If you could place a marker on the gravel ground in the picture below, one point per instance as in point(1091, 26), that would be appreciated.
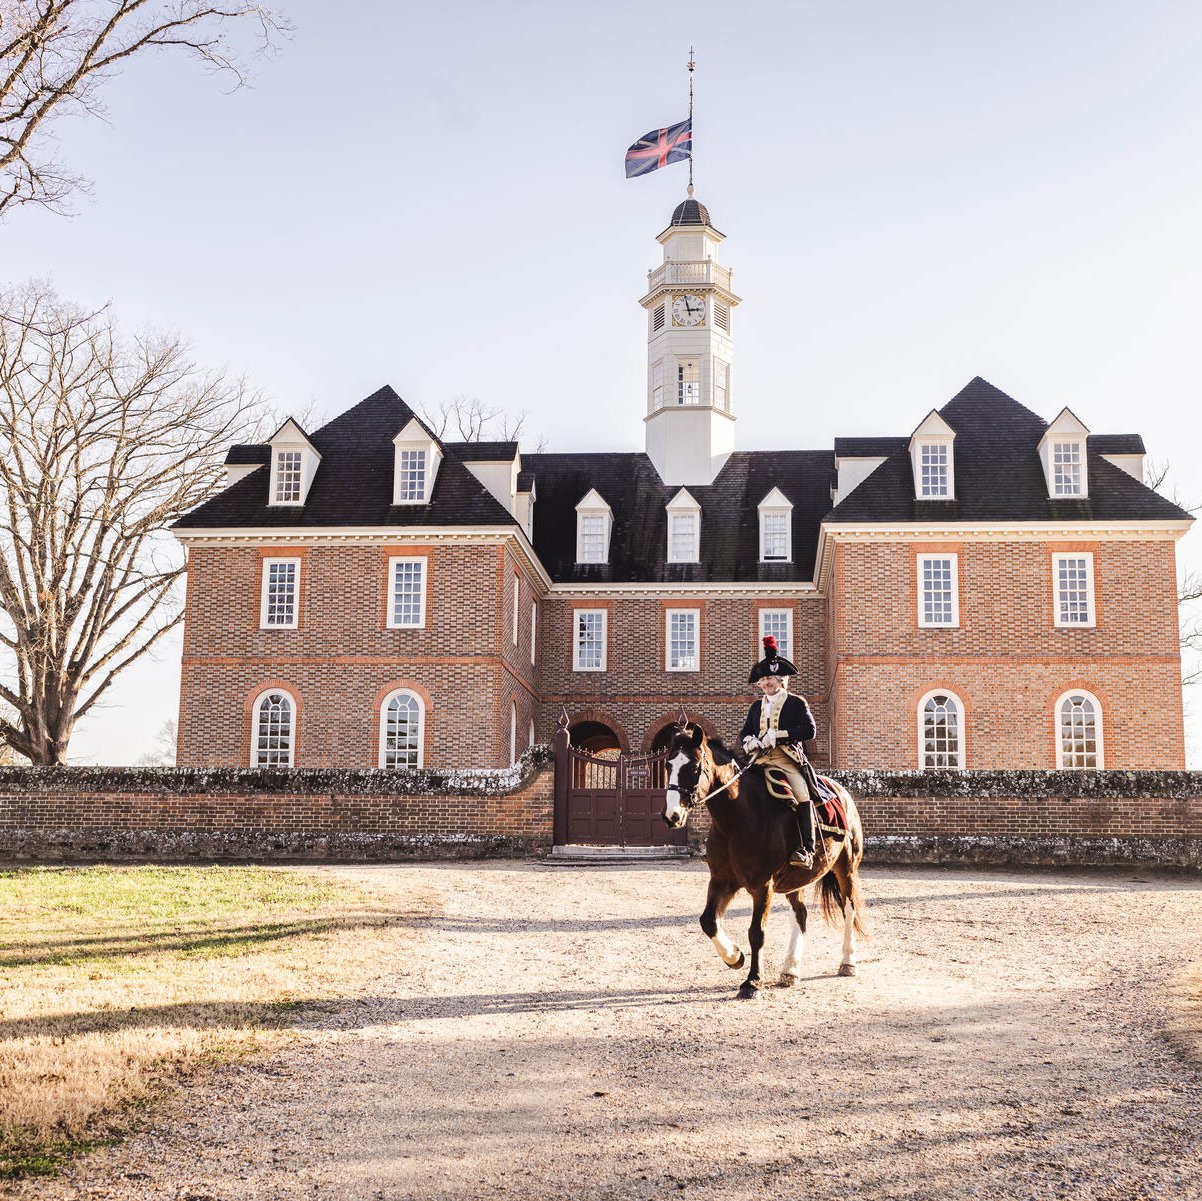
point(568, 1032)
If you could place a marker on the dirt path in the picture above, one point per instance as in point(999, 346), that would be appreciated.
point(568, 1032)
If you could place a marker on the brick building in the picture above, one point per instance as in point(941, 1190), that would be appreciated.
point(990, 590)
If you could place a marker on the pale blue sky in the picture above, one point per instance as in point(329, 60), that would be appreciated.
point(433, 197)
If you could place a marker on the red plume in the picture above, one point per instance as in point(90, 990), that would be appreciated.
point(769, 643)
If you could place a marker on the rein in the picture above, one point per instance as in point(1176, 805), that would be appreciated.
point(692, 804)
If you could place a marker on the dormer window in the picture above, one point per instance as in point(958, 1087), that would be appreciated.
point(684, 528)
point(932, 459)
point(288, 477)
point(1067, 474)
point(594, 523)
point(776, 528)
point(415, 465)
point(1062, 455)
point(411, 476)
point(294, 462)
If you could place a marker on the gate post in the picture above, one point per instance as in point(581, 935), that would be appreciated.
point(563, 775)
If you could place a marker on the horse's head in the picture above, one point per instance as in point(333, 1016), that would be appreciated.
point(690, 772)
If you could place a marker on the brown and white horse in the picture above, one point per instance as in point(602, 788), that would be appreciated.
point(749, 847)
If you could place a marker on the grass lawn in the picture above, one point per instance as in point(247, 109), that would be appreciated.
point(114, 979)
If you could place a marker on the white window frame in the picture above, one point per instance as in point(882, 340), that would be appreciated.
point(786, 651)
point(531, 734)
point(693, 554)
point(961, 748)
point(402, 496)
point(686, 385)
point(576, 664)
point(946, 448)
point(421, 730)
point(920, 563)
point(657, 385)
point(591, 506)
point(696, 616)
point(1057, 610)
point(533, 632)
point(1100, 752)
point(1061, 446)
point(277, 475)
point(787, 515)
point(513, 732)
point(393, 563)
point(722, 385)
point(517, 600)
point(278, 561)
point(255, 719)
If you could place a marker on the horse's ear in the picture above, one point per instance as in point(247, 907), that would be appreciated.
point(698, 735)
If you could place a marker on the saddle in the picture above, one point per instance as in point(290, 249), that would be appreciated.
point(832, 816)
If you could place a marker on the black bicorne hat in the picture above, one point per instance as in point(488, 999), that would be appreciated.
point(772, 664)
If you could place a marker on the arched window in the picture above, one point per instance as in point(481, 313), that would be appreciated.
point(940, 731)
point(513, 731)
point(273, 736)
point(530, 740)
point(1079, 731)
point(401, 720)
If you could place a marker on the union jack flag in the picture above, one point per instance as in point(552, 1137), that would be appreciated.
point(660, 147)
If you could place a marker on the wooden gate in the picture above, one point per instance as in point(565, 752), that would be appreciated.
point(611, 799)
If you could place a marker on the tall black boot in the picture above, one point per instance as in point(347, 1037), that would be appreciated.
point(803, 856)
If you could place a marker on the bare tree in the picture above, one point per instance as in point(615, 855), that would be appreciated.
point(1158, 476)
point(474, 421)
point(56, 54)
point(162, 751)
point(103, 443)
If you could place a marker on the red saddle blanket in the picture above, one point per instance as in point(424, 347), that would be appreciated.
point(831, 811)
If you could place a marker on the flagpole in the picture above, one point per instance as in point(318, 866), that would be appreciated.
point(692, 66)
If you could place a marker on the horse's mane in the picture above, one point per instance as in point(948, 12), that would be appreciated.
point(722, 755)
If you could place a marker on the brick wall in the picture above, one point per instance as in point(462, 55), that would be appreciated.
point(1007, 661)
point(342, 660)
point(636, 696)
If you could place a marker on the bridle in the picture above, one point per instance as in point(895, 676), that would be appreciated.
point(708, 771)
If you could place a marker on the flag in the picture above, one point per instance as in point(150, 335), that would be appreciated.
point(660, 147)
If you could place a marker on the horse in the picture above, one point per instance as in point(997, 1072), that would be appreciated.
point(749, 847)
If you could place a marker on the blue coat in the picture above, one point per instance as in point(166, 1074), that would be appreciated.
point(796, 721)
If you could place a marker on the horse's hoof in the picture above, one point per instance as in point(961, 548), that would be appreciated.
point(787, 980)
point(738, 963)
point(749, 992)
point(848, 969)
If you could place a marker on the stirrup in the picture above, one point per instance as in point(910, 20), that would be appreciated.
point(801, 858)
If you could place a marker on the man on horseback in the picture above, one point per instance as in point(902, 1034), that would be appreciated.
point(776, 727)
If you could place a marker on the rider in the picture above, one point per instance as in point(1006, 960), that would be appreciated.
point(776, 726)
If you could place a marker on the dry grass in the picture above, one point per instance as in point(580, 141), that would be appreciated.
point(114, 978)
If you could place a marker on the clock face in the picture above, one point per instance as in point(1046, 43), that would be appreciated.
point(688, 310)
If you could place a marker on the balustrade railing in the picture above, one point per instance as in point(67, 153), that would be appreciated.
point(682, 273)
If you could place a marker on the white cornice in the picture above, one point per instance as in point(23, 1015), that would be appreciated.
point(1026, 530)
point(361, 535)
point(796, 588)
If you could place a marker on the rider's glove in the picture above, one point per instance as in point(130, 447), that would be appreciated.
point(751, 743)
point(768, 739)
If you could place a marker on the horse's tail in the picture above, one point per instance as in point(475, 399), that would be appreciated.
point(847, 863)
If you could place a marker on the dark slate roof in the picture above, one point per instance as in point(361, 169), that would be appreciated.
point(730, 540)
point(353, 484)
point(525, 479)
point(244, 454)
point(869, 448)
point(998, 475)
point(475, 452)
point(1115, 444)
point(690, 212)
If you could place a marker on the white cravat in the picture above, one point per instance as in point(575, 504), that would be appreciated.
point(768, 704)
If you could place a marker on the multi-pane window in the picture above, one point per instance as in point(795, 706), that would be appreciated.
point(934, 469)
point(1066, 469)
point(721, 385)
point(589, 640)
point(657, 385)
point(281, 578)
point(774, 536)
point(778, 623)
point(941, 735)
point(688, 382)
point(591, 538)
point(517, 590)
point(272, 739)
point(406, 592)
point(1079, 734)
point(513, 732)
point(681, 635)
point(287, 477)
point(401, 731)
point(938, 603)
point(411, 476)
point(533, 630)
point(1074, 589)
point(683, 541)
